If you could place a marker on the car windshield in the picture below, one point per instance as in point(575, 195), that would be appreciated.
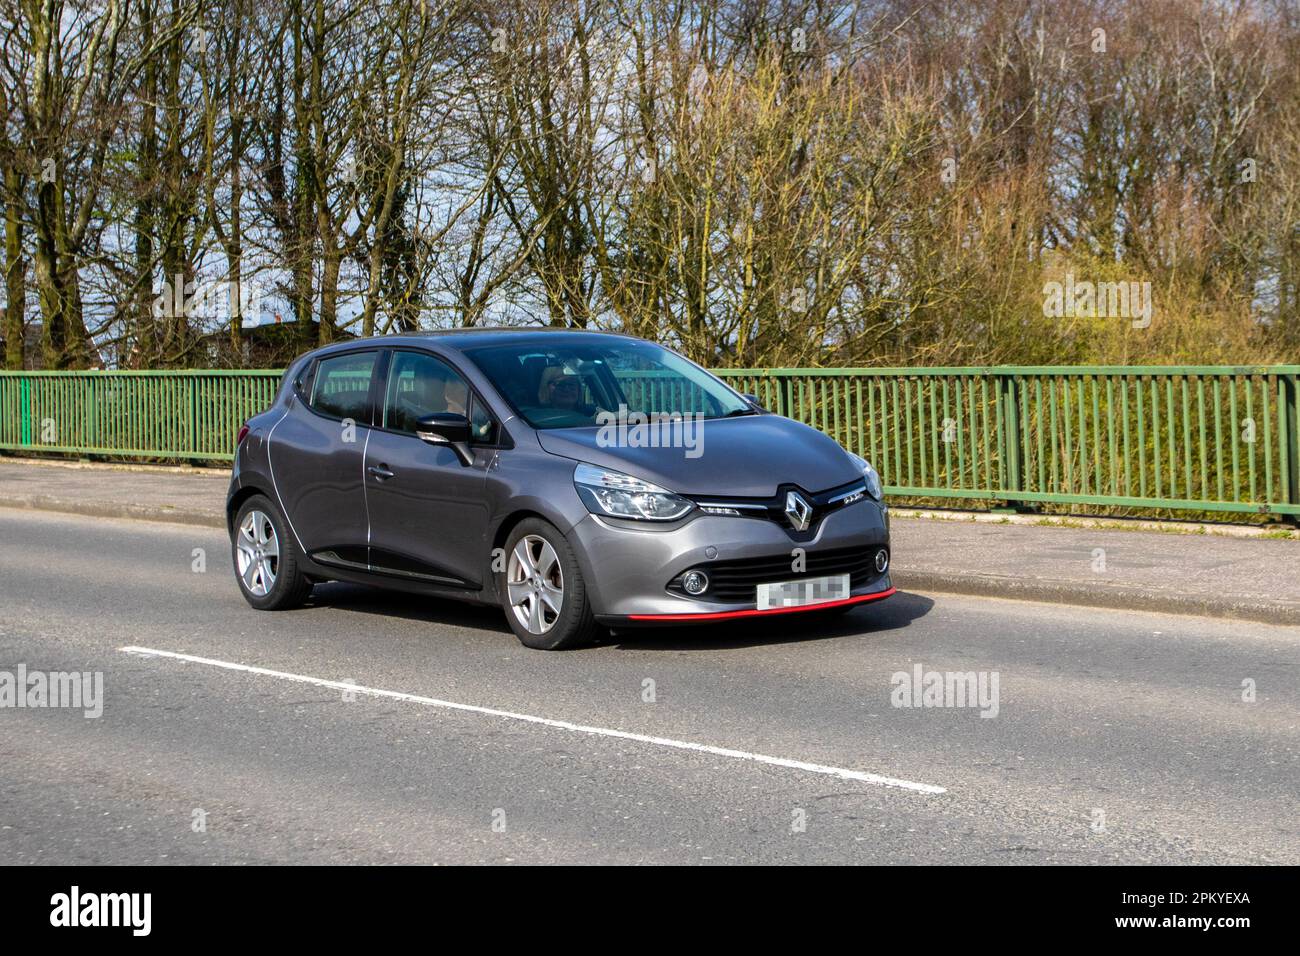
point(567, 385)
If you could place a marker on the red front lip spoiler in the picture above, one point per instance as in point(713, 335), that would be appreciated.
point(755, 612)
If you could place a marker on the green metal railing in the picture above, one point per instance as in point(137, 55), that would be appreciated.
point(1184, 438)
point(170, 415)
point(1199, 438)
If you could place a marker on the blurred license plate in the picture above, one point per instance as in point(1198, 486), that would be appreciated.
point(802, 592)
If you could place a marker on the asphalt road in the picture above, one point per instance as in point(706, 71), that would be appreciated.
point(1119, 737)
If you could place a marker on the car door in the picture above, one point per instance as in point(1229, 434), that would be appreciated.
point(316, 455)
point(428, 513)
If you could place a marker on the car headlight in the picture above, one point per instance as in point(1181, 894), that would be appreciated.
point(873, 479)
point(608, 492)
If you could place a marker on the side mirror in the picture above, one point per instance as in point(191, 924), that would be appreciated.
point(446, 428)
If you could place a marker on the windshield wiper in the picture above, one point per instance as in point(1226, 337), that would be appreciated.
point(741, 411)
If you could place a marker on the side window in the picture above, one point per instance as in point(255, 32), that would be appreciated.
point(419, 385)
point(483, 428)
point(341, 387)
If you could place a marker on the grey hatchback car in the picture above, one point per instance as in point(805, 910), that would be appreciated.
point(577, 479)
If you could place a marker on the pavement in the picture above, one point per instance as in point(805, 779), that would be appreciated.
point(1211, 574)
point(372, 727)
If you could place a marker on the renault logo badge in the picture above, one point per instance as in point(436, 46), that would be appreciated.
point(797, 510)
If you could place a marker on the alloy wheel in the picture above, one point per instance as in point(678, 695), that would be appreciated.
point(258, 553)
point(535, 584)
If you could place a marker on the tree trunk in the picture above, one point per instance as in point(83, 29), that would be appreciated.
point(15, 271)
point(329, 296)
point(141, 335)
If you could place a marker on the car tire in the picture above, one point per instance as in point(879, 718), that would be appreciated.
point(269, 581)
point(548, 551)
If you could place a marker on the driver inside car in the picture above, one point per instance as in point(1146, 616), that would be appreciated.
point(427, 394)
point(561, 388)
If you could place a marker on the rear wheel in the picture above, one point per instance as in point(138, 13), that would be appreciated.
point(266, 558)
point(542, 589)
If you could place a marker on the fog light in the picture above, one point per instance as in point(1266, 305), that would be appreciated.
point(695, 582)
point(882, 560)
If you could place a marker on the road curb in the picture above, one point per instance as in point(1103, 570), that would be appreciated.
point(1098, 523)
point(78, 464)
point(1113, 597)
point(96, 509)
point(1110, 596)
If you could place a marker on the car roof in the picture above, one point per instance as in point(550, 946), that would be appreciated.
point(462, 340)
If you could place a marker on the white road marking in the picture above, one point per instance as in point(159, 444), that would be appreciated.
point(840, 772)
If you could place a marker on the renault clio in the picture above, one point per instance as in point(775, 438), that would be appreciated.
point(577, 479)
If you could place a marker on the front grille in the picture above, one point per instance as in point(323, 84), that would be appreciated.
point(737, 581)
point(773, 509)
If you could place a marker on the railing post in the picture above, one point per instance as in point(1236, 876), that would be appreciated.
point(783, 389)
point(25, 410)
point(191, 382)
point(1289, 439)
point(92, 431)
point(1012, 447)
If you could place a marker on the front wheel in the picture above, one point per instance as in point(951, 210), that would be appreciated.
point(542, 589)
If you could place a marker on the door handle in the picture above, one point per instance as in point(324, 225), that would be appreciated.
point(380, 471)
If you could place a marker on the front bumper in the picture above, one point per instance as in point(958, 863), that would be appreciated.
point(628, 568)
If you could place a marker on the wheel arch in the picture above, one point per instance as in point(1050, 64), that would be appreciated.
point(512, 521)
point(237, 500)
